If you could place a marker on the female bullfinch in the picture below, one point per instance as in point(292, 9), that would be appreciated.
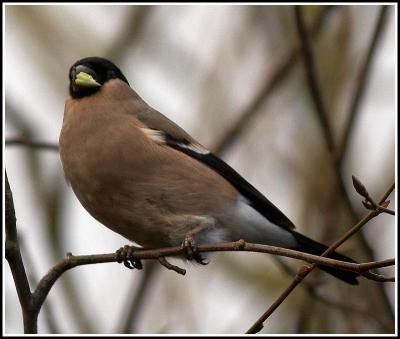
point(144, 177)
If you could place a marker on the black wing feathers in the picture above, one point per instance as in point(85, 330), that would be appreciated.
point(255, 198)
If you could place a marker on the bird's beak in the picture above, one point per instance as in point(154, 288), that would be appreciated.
point(83, 79)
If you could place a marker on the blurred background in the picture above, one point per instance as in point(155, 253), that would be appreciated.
point(233, 77)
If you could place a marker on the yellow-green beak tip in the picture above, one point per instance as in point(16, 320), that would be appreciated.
point(85, 80)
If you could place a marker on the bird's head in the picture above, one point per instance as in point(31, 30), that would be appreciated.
point(88, 75)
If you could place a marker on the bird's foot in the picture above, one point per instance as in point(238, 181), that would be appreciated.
point(191, 251)
point(124, 255)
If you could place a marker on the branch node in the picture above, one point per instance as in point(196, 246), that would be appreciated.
point(385, 204)
point(239, 245)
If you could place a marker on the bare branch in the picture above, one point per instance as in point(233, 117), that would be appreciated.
point(305, 270)
point(259, 324)
point(13, 256)
point(311, 288)
point(376, 264)
point(71, 261)
point(386, 210)
point(387, 193)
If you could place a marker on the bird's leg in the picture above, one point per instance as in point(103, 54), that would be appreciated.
point(189, 245)
point(124, 254)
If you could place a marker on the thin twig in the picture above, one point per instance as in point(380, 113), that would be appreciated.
point(259, 324)
point(386, 210)
point(169, 266)
point(376, 264)
point(387, 193)
point(305, 270)
point(311, 289)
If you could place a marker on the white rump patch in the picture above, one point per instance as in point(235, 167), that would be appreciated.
point(258, 229)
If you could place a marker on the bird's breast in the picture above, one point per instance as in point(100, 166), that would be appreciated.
point(143, 190)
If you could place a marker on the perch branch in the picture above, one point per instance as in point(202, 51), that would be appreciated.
point(71, 261)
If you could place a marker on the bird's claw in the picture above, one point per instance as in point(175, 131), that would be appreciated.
point(191, 251)
point(125, 256)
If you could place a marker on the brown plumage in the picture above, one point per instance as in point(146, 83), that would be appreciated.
point(144, 177)
point(111, 165)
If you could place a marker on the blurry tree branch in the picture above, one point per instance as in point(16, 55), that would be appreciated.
point(312, 80)
point(135, 300)
point(279, 73)
point(50, 201)
point(312, 289)
point(305, 270)
point(337, 153)
point(361, 83)
point(28, 142)
point(134, 24)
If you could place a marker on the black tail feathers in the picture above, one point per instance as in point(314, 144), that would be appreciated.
point(313, 247)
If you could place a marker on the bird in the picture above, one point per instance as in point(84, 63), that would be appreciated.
point(145, 178)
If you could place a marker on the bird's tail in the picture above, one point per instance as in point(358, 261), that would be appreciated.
point(313, 247)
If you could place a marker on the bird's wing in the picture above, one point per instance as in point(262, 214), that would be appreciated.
point(164, 131)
